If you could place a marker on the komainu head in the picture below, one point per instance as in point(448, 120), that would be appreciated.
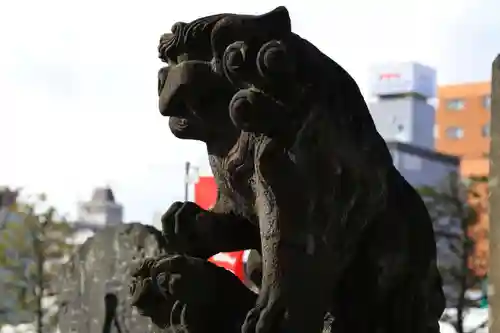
point(229, 73)
point(208, 61)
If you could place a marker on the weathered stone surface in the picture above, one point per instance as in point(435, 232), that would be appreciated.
point(95, 283)
point(302, 174)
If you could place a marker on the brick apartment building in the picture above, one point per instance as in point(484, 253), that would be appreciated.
point(463, 129)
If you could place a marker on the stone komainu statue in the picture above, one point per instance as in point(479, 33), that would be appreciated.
point(303, 176)
point(94, 284)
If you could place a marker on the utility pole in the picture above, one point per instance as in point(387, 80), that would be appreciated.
point(494, 203)
point(186, 181)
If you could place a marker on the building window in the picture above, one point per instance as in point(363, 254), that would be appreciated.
point(485, 130)
point(456, 104)
point(454, 132)
point(487, 102)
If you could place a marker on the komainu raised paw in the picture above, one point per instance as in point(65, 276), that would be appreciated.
point(269, 92)
point(249, 107)
point(181, 228)
point(261, 63)
point(182, 292)
point(147, 298)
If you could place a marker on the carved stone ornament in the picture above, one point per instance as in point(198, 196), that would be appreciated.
point(303, 176)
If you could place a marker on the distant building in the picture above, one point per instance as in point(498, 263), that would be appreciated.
point(405, 118)
point(402, 112)
point(463, 125)
point(100, 211)
point(463, 129)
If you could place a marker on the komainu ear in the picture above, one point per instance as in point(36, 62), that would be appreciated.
point(277, 22)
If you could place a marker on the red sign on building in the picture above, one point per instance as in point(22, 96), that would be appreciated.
point(389, 76)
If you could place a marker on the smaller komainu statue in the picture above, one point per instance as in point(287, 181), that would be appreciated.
point(303, 176)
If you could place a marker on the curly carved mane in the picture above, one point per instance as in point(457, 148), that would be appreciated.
point(188, 37)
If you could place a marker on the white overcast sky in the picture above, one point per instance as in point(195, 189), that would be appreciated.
point(78, 81)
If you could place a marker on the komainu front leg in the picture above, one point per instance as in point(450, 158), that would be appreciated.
point(296, 275)
point(295, 290)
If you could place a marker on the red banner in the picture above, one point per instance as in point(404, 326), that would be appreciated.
point(205, 192)
point(205, 195)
